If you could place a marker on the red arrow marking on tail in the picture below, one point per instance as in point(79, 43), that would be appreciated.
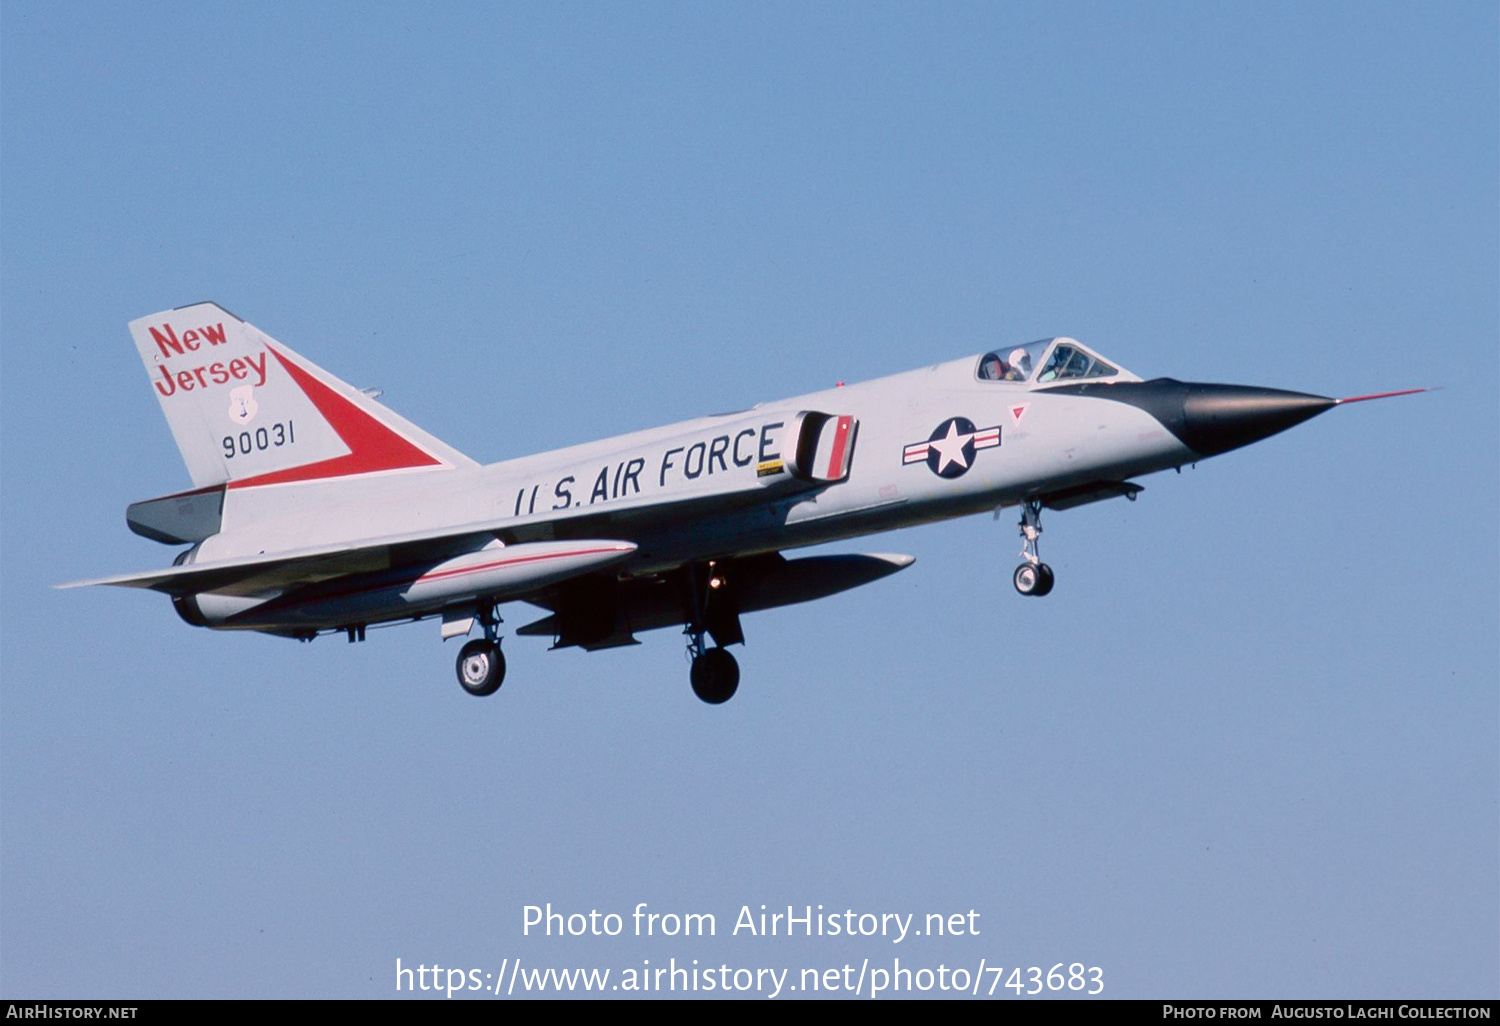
point(372, 445)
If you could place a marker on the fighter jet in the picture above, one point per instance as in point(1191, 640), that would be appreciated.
point(316, 510)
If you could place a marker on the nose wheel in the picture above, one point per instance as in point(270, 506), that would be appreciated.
point(1033, 580)
point(1032, 577)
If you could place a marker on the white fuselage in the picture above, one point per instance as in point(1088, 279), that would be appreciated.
point(1045, 443)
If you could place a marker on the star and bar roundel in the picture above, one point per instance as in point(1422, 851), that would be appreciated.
point(949, 450)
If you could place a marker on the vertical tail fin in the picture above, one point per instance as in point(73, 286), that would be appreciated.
point(246, 410)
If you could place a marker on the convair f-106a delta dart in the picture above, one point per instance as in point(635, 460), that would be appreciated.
point(314, 509)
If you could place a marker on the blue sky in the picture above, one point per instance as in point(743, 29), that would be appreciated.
point(1247, 748)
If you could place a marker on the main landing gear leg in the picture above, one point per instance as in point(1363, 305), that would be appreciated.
point(481, 664)
point(1032, 577)
point(715, 675)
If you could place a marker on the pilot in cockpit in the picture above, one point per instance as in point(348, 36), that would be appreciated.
point(992, 368)
point(1020, 366)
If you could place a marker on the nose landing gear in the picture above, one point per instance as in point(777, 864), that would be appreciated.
point(1032, 577)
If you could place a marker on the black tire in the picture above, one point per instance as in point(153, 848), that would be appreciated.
point(1028, 578)
point(481, 667)
point(1045, 581)
point(715, 676)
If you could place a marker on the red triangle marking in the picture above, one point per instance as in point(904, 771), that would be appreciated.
point(372, 445)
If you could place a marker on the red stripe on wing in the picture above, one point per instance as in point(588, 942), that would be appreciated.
point(516, 560)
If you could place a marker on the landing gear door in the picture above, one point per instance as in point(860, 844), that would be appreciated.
point(823, 448)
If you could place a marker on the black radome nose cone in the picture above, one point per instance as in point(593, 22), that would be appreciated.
point(1210, 419)
point(1217, 418)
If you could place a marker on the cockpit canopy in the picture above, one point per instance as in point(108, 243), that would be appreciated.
point(1051, 359)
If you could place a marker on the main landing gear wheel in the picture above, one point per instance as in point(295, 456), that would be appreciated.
point(481, 667)
point(1034, 579)
point(715, 676)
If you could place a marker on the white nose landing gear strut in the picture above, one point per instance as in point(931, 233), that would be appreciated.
point(1032, 577)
